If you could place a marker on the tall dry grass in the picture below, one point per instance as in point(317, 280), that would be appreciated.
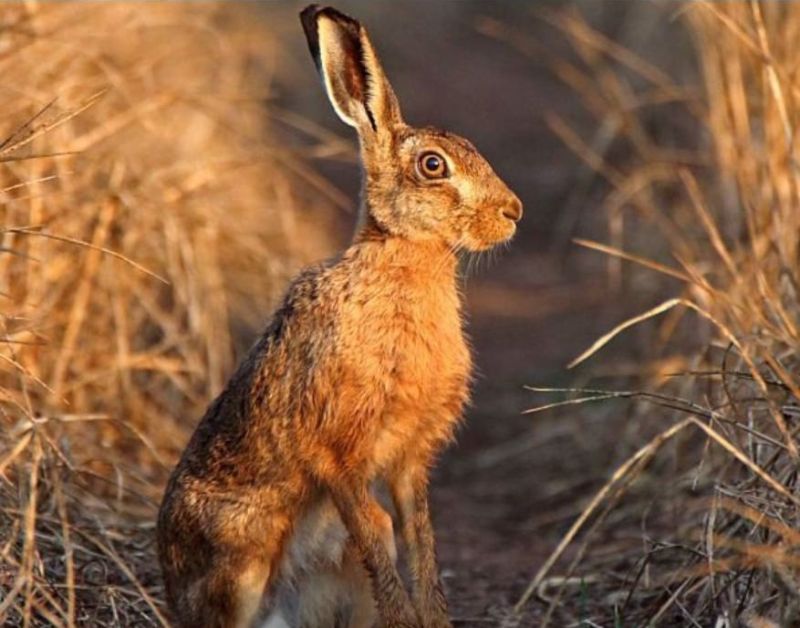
point(714, 531)
point(147, 219)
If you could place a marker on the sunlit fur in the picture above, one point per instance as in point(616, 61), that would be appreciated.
point(359, 379)
point(464, 209)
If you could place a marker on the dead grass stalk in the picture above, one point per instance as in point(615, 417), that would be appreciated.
point(726, 226)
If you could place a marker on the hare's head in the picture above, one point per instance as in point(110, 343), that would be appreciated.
point(419, 183)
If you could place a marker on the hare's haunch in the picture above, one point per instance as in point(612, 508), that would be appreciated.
point(360, 378)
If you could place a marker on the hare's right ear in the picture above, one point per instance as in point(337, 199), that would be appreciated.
point(357, 87)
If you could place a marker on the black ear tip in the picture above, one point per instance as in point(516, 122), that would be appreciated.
point(309, 14)
point(313, 12)
point(309, 18)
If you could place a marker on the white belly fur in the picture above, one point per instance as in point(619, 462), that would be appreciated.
point(302, 596)
point(320, 583)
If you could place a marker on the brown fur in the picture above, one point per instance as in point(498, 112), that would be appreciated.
point(360, 377)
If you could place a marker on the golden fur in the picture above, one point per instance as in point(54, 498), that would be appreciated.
point(360, 377)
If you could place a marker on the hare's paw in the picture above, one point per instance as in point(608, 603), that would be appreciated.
point(412, 622)
point(436, 620)
point(431, 607)
point(402, 618)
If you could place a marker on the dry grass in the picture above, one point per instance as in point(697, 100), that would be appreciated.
point(699, 526)
point(146, 222)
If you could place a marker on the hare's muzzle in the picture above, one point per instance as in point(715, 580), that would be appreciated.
point(513, 210)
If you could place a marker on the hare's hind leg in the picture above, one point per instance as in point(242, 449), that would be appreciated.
point(250, 587)
point(214, 585)
point(228, 597)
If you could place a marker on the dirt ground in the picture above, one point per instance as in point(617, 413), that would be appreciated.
point(509, 486)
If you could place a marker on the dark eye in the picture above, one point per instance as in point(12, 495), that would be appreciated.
point(432, 165)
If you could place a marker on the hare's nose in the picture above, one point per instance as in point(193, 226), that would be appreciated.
point(513, 210)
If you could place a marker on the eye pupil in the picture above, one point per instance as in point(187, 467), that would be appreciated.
point(432, 166)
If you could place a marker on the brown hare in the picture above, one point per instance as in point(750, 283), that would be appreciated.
point(359, 379)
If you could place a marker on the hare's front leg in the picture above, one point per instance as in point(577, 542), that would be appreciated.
point(365, 521)
point(410, 493)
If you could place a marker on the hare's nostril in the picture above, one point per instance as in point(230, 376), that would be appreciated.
point(513, 211)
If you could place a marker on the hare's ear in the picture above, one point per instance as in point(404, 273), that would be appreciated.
point(355, 82)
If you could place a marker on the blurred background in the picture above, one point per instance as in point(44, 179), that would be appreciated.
point(165, 169)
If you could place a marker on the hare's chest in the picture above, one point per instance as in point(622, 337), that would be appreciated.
point(430, 360)
point(430, 356)
point(411, 344)
point(429, 385)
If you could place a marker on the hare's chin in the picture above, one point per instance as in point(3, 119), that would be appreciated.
point(510, 229)
point(476, 245)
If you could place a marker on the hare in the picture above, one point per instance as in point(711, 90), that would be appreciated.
point(359, 379)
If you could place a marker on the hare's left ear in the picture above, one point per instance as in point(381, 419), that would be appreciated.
point(357, 87)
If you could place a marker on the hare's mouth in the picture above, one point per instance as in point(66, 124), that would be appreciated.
point(500, 233)
point(512, 230)
point(509, 229)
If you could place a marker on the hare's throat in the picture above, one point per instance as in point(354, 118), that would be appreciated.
point(368, 229)
point(419, 260)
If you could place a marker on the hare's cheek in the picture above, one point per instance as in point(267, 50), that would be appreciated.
point(423, 214)
point(475, 236)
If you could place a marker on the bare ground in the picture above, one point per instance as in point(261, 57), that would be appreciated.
point(506, 491)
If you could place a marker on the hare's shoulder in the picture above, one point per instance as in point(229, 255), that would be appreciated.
point(265, 384)
point(308, 303)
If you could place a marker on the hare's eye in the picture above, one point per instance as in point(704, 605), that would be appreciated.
point(432, 165)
